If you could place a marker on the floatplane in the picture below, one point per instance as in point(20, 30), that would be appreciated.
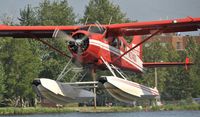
point(102, 47)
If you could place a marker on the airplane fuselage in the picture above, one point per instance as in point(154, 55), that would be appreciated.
point(109, 48)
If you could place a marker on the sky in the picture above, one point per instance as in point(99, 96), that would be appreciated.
point(141, 10)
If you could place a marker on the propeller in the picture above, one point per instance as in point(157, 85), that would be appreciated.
point(77, 43)
point(80, 44)
point(62, 35)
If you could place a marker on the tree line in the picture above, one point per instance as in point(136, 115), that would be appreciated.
point(22, 60)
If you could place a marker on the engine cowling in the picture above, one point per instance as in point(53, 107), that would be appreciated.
point(80, 43)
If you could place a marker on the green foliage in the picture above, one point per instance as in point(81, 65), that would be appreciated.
point(2, 85)
point(6, 19)
point(21, 67)
point(33, 110)
point(177, 85)
point(174, 83)
point(155, 52)
point(55, 13)
point(193, 50)
point(49, 13)
point(28, 16)
point(103, 11)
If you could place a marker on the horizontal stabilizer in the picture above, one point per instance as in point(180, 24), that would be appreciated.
point(166, 64)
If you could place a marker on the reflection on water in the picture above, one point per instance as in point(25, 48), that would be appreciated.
point(127, 114)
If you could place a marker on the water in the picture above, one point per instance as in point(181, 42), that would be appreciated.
point(126, 114)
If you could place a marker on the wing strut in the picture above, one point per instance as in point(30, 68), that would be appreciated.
point(108, 66)
point(50, 46)
point(153, 34)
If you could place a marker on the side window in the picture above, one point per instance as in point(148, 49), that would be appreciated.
point(120, 44)
point(123, 46)
point(114, 42)
point(117, 43)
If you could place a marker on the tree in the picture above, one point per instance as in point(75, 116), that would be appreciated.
point(193, 50)
point(21, 67)
point(178, 83)
point(174, 82)
point(55, 13)
point(2, 85)
point(7, 19)
point(155, 52)
point(28, 16)
point(103, 11)
point(49, 13)
point(22, 58)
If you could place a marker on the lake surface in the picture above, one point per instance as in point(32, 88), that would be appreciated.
point(125, 114)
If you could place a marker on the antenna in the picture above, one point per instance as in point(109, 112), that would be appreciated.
point(110, 20)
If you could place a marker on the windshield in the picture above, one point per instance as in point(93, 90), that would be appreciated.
point(96, 29)
point(85, 28)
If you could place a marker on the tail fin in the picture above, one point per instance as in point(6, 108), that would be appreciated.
point(138, 50)
point(187, 61)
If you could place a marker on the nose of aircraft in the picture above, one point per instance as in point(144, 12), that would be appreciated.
point(80, 43)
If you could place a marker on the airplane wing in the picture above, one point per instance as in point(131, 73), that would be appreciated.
point(33, 31)
point(36, 32)
point(143, 28)
point(153, 28)
point(127, 29)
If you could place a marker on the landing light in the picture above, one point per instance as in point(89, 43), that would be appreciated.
point(175, 21)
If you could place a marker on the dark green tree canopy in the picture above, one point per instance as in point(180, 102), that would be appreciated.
point(27, 16)
point(22, 59)
point(103, 11)
point(55, 13)
point(48, 13)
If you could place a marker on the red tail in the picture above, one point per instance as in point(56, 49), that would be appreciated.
point(187, 61)
point(135, 41)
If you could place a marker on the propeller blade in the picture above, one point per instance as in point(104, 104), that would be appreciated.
point(62, 35)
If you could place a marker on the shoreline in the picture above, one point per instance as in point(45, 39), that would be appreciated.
point(43, 110)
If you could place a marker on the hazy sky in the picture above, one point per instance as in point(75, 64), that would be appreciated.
point(135, 9)
point(142, 10)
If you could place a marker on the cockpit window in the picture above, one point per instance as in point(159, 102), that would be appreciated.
point(84, 28)
point(96, 29)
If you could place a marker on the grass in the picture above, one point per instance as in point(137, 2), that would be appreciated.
point(32, 110)
point(36, 110)
point(109, 109)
